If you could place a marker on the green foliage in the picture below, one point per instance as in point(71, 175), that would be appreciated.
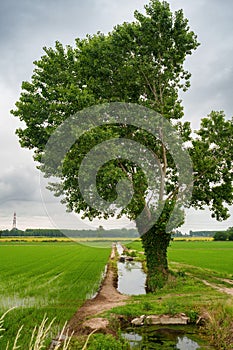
point(155, 243)
point(203, 233)
point(107, 342)
point(172, 306)
point(143, 63)
point(220, 236)
point(212, 157)
point(230, 233)
point(156, 280)
point(193, 315)
point(131, 254)
point(143, 58)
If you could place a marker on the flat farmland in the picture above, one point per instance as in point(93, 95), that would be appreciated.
point(212, 255)
point(209, 254)
point(45, 278)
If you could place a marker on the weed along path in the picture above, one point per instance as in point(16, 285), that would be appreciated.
point(226, 290)
point(206, 276)
point(108, 297)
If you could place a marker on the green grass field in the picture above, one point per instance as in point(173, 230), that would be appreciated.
point(216, 256)
point(54, 278)
point(40, 278)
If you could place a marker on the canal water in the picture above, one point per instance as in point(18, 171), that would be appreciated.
point(164, 337)
point(131, 278)
point(131, 281)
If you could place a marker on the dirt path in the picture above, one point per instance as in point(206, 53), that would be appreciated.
point(86, 317)
point(226, 290)
point(107, 298)
point(220, 288)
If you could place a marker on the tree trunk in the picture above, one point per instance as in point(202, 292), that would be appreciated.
point(155, 243)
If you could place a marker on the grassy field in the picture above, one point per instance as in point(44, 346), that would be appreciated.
point(45, 278)
point(98, 242)
point(54, 278)
point(216, 256)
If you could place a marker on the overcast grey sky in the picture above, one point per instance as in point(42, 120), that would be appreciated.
point(26, 26)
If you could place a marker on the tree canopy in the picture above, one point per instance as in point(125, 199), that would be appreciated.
point(137, 63)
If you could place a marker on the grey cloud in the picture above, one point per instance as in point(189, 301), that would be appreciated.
point(19, 184)
point(212, 63)
point(27, 26)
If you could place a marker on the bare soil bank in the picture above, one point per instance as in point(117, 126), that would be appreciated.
point(107, 298)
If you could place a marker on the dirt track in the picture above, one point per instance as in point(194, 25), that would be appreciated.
point(107, 298)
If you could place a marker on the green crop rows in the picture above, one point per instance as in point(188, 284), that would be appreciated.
point(51, 279)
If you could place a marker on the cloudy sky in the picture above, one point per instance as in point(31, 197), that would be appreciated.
point(27, 26)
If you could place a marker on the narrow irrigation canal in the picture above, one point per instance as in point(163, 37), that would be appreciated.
point(131, 281)
point(131, 278)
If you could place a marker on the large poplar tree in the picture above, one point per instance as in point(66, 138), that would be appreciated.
point(142, 63)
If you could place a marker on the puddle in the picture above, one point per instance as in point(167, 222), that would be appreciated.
point(131, 278)
point(159, 337)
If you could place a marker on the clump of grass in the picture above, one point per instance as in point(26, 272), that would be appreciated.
point(219, 326)
point(193, 316)
point(131, 253)
point(147, 306)
point(2, 329)
point(106, 342)
point(172, 307)
point(39, 335)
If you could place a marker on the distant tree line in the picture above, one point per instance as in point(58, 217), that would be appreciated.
point(178, 234)
point(99, 233)
point(202, 233)
point(224, 235)
point(217, 235)
point(194, 234)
